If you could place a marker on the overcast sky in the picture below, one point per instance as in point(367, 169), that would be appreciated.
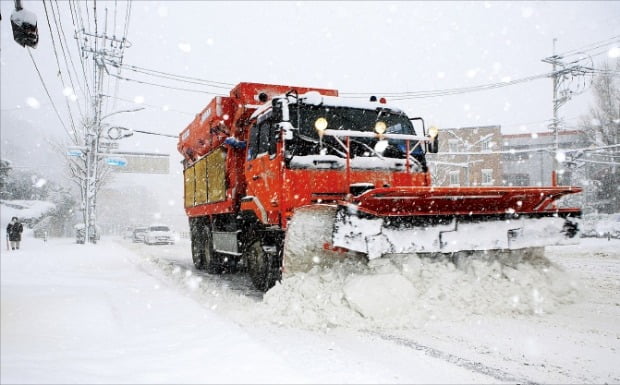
point(356, 47)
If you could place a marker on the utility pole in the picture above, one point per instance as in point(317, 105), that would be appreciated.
point(104, 49)
point(559, 98)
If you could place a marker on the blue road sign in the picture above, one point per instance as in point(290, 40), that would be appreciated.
point(116, 162)
point(75, 153)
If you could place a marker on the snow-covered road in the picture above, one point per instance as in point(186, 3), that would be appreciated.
point(122, 312)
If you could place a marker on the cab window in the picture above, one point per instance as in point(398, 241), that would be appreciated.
point(262, 138)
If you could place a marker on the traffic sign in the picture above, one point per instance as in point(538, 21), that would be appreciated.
point(121, 162)
point(111, 145)
point(75, 153)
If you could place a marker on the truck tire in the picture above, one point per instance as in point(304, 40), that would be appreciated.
point(261, 266)
point(196, 227)
point(212, 260)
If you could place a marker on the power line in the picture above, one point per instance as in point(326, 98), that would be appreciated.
point(403, 95)
point(188, 79)
point(165, 86)
point(151, 105)
point(546, 147)
point(59, 70)
point(445, 92)
point(64, 53)
point(394, 95)
point(599, 162)
point(591, 46)
point(47, 92)
point(77, 19)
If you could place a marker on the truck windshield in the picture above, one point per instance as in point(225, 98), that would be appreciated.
point(306, 140)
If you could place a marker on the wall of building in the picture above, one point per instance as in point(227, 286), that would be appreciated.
point(532, 159)
point(467, 157)
point(477, 156)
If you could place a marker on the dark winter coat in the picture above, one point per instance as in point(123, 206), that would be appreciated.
point(14, 230)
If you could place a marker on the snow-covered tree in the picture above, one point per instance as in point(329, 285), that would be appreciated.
point(601, 128)
point(5, 168)
point(77, 165)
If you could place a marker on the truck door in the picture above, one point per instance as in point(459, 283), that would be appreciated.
point(263, 169)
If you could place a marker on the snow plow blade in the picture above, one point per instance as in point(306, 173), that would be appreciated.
point(507, 223)
point(449, 220)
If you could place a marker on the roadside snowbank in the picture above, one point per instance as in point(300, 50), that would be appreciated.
point(23, 209)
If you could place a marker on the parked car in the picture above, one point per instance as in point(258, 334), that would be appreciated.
point(159, 234)
point(138, 234)
point(128, 233)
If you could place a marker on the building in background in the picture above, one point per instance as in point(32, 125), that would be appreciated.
point(482, 156)
point(468, 156)
point(528, 159)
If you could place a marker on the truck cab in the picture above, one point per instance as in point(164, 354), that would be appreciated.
point(313, 148)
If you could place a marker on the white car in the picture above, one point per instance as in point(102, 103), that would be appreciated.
point(159, 234)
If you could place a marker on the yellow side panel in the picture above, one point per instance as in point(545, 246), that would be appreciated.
point(189, 186)
point(200, 173)
point(216, 169)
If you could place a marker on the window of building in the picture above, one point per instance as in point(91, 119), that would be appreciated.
point(453, 145)
point(487, 177)
point(454, 178)
point(517, 179)
point(486, 145)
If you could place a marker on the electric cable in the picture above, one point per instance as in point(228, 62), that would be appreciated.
point(59, 29)
point(62, 82)
point(47, 92)
point(168, 87)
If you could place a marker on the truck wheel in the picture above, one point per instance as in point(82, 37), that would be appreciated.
point(261, 266)
point(212, 261)
point(196, 228)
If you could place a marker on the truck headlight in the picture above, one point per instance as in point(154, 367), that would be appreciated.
point(320, 125)
point(380, 127)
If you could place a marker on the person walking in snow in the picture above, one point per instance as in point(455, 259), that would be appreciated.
point(14, 232)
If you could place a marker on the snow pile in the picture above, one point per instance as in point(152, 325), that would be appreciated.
point(24, 209)
point(215, 292)
point(407, 291)
point(400, 292)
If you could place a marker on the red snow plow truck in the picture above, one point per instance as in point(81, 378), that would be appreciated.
point(279, 179)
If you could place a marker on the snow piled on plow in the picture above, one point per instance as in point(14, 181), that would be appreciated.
point(408, 291)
